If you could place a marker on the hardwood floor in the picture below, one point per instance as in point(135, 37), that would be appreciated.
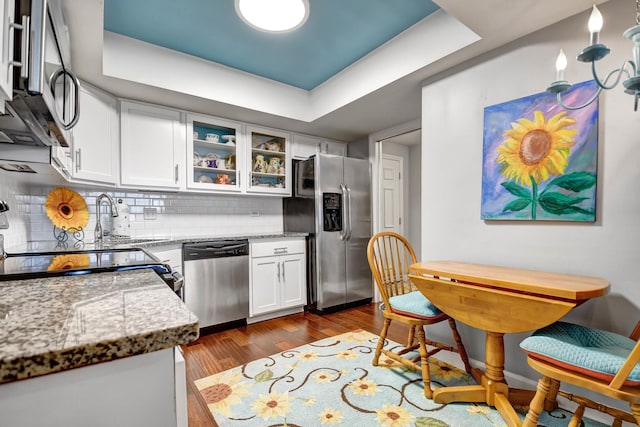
point(224, 350)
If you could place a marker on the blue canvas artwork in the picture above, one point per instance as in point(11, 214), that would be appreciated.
point(540, 160)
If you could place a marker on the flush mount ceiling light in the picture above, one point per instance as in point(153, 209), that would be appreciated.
point(276, 16)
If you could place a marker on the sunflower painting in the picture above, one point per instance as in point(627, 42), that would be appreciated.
point(540, 160)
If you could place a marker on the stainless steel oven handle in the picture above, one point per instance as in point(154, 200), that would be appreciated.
point(52, 85)
point(178, 281)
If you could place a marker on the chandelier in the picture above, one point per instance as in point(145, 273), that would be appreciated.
point(596, 51)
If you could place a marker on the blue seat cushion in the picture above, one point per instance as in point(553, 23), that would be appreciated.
point(414, 304)
point(593, 352)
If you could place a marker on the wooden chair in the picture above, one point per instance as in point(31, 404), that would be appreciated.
point(390, 256)
point(596, 360)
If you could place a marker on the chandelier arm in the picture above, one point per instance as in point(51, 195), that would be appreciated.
point(620, 71)
point(568, 107)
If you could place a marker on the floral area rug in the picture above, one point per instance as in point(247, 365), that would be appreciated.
point(332, 382)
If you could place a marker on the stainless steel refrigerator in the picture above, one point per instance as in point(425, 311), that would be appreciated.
point(332, 202)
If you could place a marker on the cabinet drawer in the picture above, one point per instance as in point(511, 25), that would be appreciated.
point(277, 247)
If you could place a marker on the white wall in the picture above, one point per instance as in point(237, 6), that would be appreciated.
point(414, 221)
point(452, 142)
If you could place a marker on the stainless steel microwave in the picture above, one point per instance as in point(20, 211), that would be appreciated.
point(45, 104)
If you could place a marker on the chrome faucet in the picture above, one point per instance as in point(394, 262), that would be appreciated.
point(4, 224)
point(99, 233)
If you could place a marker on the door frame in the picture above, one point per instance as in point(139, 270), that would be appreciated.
point(375, 157)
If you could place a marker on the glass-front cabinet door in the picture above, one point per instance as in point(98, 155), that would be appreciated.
point(214, 154)
point(269, 161)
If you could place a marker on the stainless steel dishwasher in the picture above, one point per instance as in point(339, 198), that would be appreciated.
point(216, 283)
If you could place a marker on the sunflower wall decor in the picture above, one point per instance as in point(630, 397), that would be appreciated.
point(68, 212)
point(540, 160)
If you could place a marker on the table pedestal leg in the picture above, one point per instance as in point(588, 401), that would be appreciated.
point(493, 389)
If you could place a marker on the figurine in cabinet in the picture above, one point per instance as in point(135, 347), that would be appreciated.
point(231, 162)
point(260, 165)
point(274, 165)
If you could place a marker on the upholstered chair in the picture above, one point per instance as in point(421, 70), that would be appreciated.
point(592, 359)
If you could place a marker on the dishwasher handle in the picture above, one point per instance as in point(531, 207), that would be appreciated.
point(214, 249)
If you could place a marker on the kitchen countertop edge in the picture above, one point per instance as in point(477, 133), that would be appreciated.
point(41, 355)
point(181, 240)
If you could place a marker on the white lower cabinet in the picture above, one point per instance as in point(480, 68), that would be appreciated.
point(129, 392)
point(278, 277)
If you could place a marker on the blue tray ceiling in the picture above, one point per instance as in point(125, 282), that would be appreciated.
point(337, 34)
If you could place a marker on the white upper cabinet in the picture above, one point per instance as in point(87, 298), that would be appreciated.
point(7, 8)
point(269, 161)
point(305, 146)
point(152, 147)
point(215, 154)
point(95, 137)
point(333, 147)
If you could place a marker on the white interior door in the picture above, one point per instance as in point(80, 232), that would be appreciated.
point(391, 206)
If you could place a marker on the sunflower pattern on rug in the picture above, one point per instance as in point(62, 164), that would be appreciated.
point(332, 382)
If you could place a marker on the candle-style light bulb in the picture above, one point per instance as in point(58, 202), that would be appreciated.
point(561, 65)
point(595, 24)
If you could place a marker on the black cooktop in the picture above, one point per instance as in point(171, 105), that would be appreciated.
point(47, 264)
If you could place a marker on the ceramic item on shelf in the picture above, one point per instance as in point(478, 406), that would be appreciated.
point(195, 135)
point(260, 165)
point(272, 146)
point(212, 137)
point(212, 156)
point(274, 165)
point(282, 170)
point(223, 178)
point(206, 179)
point(220, 164)
point(196, 159)
point(229, 139)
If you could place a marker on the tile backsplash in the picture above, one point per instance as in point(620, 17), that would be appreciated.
point(176, 215)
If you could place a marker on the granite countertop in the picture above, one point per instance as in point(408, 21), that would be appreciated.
point(138, 242)
point(59, 323)
point(195, 239)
